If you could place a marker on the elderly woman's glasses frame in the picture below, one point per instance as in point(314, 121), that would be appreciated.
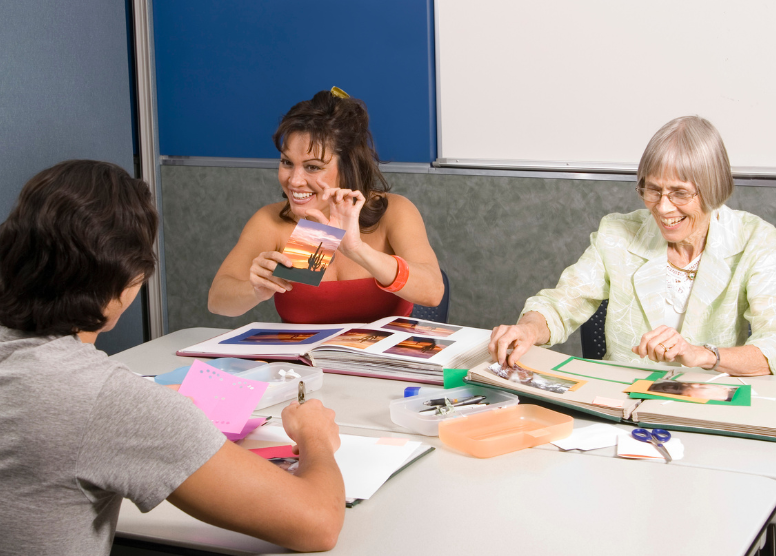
point(676, 198)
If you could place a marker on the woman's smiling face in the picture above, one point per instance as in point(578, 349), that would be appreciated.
point(303, 174)
point(678, 224)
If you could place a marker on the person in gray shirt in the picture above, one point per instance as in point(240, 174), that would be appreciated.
point(79, 432)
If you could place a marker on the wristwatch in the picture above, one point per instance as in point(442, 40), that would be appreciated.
point(715, 351)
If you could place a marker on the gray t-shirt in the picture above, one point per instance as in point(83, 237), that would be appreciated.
point(79, 432)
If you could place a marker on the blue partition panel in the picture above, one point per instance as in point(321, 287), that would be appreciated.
point(227, 71)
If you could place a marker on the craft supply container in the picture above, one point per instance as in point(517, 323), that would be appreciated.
point(283, 388)
point(405, 411)
point(504, 430)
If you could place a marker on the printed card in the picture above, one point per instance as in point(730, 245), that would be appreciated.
point(227, 400)
point(311, 249)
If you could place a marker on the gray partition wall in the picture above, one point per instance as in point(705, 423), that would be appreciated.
point(499, 238)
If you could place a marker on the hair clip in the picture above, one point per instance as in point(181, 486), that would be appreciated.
point(339, 93)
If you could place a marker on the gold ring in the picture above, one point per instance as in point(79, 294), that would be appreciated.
point(664, 347)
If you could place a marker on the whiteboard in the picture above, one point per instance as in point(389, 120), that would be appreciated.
point(586, 83)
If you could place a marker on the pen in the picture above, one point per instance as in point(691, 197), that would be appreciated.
point(442, 410)
point(300, 392)
point(455, 401)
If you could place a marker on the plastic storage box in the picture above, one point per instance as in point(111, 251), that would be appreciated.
point(282, 388)
point(497, 432)
point(405, 412)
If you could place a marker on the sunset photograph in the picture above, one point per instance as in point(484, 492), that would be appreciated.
point(416, 346)
point(280, 337)
point(311, 249)
point(425, 328)
point(359, 338)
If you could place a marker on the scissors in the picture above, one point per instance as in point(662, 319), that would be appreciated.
point(657, 437)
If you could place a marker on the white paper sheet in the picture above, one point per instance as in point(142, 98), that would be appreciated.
point(629, 447)
point(365, 462)
point(591, 438)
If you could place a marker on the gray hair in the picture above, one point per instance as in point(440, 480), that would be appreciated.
point(690, 149)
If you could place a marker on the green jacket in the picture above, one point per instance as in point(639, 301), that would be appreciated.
point(626, 263)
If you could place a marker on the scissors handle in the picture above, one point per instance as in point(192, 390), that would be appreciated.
point(661, 435)
point(656, 438)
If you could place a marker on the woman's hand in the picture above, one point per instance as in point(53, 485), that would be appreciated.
point(344, 209)
point(264, 284)
point(518, 337)
point(531, 330)
point(666, 345)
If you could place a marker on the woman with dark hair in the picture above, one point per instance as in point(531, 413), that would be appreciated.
point(80, 431)
point(686, 277)
point(329, 173)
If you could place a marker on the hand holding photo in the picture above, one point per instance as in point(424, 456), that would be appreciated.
point(311, 249)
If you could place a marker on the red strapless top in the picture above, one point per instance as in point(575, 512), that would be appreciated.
point(339, 301)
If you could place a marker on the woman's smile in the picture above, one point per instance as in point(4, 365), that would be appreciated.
point(303, 173)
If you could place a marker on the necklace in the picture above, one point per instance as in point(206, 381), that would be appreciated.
point(690, 273)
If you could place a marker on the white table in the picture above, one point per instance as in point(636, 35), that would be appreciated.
point(537, 501)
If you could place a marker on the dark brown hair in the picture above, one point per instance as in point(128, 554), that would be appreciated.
point(340, 124)
point(80, 234)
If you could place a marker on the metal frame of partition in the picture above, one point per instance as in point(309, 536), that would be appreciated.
point(148, 148)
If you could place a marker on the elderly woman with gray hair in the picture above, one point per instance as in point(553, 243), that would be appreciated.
point(686, 277)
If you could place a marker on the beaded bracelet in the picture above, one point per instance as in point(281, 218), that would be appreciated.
point(402, 275)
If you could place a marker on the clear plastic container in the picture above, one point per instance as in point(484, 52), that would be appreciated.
point(282, 388)
point(406, 411)
point(501, 431)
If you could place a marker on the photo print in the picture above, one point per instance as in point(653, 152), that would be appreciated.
point(268, 337)
point(413, 326)
point(359, 338)
point(417, 346)
point(537, 379)
point(697, 390)
point(311, 249)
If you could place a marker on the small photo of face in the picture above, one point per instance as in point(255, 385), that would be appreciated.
point(697, 390)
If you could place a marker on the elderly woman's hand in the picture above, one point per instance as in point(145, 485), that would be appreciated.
point(531, 330)
point(666, 345)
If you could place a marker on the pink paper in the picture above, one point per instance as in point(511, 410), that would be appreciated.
point(227, 400)
point(388, 441)
point(275, 452)
point(249, 427)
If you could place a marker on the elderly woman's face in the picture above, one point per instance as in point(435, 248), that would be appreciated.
point(678, 224)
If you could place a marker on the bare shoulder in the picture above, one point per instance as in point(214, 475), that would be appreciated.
point(400, 209)
point(267, 219)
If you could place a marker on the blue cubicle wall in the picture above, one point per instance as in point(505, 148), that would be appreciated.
point(227, 71)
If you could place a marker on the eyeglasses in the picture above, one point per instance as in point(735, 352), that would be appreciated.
point(677, 198)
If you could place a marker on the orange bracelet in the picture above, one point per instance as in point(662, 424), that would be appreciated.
point(402, 275)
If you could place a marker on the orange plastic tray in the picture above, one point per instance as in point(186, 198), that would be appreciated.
point(505, 430)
